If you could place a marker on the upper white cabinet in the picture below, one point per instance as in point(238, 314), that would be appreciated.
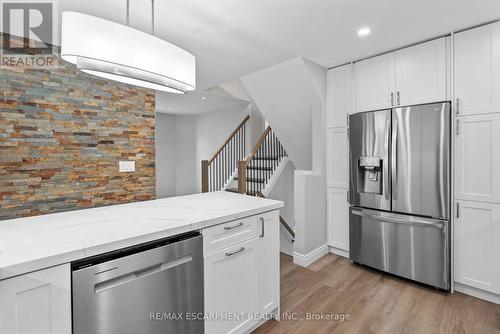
point(477, 158)
point(414, 75)
point(38, 302)
point(421, 73)
point(338, 82)
point(477, 231)
point(337, 147)
point(477, 70)
point(375, 83)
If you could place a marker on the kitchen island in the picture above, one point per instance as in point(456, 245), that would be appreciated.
point(37, 252)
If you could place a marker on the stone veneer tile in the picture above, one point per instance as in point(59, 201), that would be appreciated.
point(62, 133)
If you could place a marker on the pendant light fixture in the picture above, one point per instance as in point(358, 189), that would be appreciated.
point(118, 52)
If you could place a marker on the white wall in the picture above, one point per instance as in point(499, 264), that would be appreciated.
point(310, 218)
point(186, 158)
point(285, 93)
point(184, 140)
point(283, 190)
point(212, 129)
point(318, 113)
point(165, 155)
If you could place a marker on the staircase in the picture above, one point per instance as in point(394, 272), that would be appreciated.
point(231, 170)
point(221, 167)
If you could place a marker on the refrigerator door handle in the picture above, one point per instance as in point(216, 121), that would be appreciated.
point(399, 219)
point(394, 156)
point(386, 163)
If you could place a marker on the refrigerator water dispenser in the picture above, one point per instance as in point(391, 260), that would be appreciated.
point(370, 176)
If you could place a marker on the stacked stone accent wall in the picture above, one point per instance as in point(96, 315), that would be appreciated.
point(62, 134)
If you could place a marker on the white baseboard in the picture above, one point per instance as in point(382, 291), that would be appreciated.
point(338, 251)
point(478, 293)
point(311, 257)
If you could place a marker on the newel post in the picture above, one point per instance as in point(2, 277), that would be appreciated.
point(204, 176)
point(242, 177)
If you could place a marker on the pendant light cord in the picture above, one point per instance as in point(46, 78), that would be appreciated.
point(128, 13)
point(153, 17)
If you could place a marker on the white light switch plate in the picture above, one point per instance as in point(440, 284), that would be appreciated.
point(126, 166)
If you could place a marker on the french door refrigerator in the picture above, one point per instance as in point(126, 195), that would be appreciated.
point(399, 191)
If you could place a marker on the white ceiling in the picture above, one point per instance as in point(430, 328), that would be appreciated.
point(231, 38)
point(195, 103)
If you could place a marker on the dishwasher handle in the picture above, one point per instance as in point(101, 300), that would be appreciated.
point(141, 273)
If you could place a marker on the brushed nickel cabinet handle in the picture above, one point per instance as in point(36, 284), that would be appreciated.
point(398, 98)
point(227, 228)
point(458, 107)
point(392, 99)
point(235, 252)
point(262, 227)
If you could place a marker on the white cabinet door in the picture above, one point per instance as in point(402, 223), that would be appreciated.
point(338, 83)
point(477, 154)
point(232, 287)
point(338, 219)
point(269, 263)
point(38, 302)
point(477, 70)
point(477, 232)
point(337, 147)
point(421, 73)
point(375, 83)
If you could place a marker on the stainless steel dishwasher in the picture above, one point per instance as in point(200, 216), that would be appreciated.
point(151, 288)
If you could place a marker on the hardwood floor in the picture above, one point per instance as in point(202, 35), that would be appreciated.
point(375, 303)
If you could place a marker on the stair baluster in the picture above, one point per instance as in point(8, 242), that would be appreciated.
point(219, 169)
point(260, 165)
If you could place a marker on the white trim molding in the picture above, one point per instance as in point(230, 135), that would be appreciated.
point(338, 251)
point(478, 293)
point(311, 257)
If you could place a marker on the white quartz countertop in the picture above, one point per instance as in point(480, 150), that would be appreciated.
point(34, 243)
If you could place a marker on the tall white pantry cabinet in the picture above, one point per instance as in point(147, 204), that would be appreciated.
point(338, 105)
point(477, 161)
point(424, 74)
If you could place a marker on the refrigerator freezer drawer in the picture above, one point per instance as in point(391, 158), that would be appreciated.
point(411, 247)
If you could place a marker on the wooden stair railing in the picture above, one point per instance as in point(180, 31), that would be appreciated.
point(257, 169)
point(219, 169)
point(282, 221)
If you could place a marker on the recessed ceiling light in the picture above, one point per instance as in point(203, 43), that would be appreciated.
point(364, 32)
point(203, 97)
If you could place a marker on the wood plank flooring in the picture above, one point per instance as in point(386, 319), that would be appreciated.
point(376, 303)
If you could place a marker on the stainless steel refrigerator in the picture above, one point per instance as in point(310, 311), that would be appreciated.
point(399, 191)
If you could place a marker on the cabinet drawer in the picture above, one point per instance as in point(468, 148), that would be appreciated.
point(226, 235)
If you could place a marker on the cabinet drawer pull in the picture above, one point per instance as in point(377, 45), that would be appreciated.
point(262, 227)
point(235, 252)
point(227, 228)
